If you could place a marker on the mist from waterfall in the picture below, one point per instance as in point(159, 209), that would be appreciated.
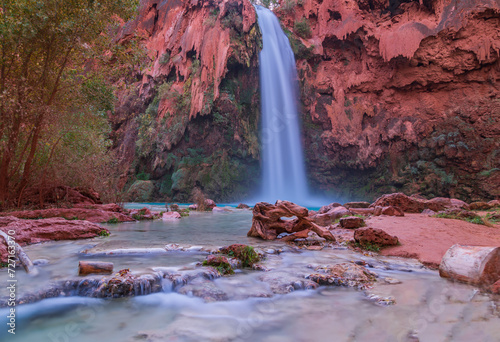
point(283, 166)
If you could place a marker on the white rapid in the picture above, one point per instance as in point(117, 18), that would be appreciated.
point(284, 175)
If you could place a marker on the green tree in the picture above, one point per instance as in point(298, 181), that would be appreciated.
point(53, 103)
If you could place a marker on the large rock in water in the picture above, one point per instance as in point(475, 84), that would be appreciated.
point(267, 223)
point(471, 264)
point(52, 229)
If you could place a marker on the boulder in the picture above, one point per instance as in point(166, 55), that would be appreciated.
point(479, 206)
point(326, 219)
point(243, 206)
point(362, 211)
point(440, 203)
point(428, 212)
point(374, 236)
point(171, 215)
point(471, 264)
point(392, 211)
point(350, 205)
point(327, 208)
point(174, 207)
point(406, 203)
point(494, 203)
point(51, 229)
point(351, 222)
point(141, 191)
point(210, 204)
point(220, 263)
point(193, 206)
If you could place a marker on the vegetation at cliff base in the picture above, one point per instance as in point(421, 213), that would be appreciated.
point(53, 94)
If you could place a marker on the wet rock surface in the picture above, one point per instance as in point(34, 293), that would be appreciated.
point(34, 231)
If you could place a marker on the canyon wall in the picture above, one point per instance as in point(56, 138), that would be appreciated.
point(188, 116)
point(399, 95)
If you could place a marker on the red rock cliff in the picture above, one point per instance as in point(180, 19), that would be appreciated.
point(189, 116)
point(399, 95)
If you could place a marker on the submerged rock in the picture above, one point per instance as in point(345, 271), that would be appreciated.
point(171, 215)
point(204, 289)
point(345, 274)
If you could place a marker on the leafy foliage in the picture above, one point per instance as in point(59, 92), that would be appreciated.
point(302, 28)
point(54, 100)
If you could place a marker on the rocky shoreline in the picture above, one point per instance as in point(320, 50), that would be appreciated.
point(394, 225)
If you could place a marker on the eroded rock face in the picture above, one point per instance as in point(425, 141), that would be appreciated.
point(52, 229)
point(398, 96)
point(189, 113)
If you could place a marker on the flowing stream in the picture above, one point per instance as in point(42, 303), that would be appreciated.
point(249, 305)
point(283, 170)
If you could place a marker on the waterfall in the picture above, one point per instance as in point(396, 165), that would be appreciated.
point(283, 167)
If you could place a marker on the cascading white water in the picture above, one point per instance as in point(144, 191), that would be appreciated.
point(284, 175)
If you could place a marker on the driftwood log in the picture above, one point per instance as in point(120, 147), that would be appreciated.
point(471, 264)
point(21, 255)
point(94, 267)
point(267, 223)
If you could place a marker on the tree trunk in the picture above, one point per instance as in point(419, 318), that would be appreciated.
point(471, 264)
point(94, 267)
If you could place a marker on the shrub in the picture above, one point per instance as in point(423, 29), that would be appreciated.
point(302, 28)
point(165, 58)
point(103, 233)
